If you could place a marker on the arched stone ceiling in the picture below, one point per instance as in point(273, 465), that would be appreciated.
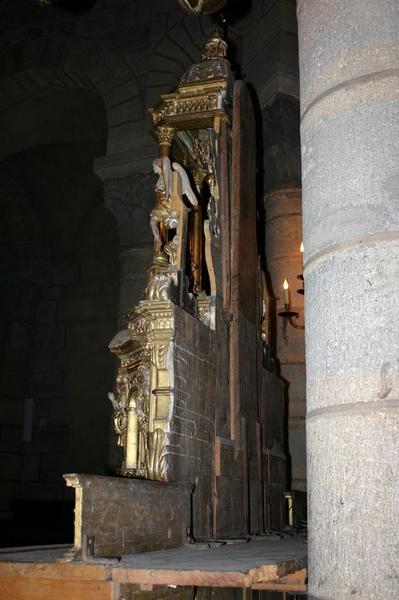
point(179, 48)
point(53, 116)
point(257, 50)
point(27, 70)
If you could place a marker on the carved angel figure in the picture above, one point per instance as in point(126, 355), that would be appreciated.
point(164, 216)
point(187, 190)
point(167, 224)
point(120, 406)
point(162, 168)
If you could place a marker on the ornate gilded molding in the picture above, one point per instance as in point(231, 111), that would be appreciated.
point(215, 48)
point(202, 94)
point(214, 64)
point(201, 105)
point(142, 404)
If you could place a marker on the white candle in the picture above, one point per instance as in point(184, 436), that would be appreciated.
point(301, 249)
point(286, 288)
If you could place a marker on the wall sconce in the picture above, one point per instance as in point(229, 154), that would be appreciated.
point(287, 313)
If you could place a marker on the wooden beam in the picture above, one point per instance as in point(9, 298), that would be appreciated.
point(262, 564)
point(16, 587)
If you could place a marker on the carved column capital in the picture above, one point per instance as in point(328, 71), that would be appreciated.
point(130, 200)
point(164, 135)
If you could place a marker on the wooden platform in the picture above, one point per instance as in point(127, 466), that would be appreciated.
point(264, 563)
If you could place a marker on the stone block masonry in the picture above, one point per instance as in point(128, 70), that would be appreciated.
point(349, 53)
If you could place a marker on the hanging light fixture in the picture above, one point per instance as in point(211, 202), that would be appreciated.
point(202, 7)
point(288, 313)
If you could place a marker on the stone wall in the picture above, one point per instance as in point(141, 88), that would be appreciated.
point(58, 308)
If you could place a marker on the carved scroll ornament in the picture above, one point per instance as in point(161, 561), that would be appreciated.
point(144, 390)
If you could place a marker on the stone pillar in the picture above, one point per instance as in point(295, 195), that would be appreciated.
point(134, 264)
point(283, 235)
point(349, 56)
point(130, 200)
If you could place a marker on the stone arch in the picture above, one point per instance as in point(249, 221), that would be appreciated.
point(179, 48)
point(27, 70)
point(53, 116)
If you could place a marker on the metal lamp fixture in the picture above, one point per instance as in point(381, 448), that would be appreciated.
point(287, 313)
point(202, 7)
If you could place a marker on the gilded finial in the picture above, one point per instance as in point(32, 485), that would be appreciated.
point(215, 48)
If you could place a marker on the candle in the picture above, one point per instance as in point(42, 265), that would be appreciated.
point(286, 288)
point(301, 249)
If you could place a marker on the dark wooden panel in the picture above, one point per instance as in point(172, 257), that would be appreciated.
point(271, 418)
point(245, 318)
point(222, 389)
point(222, 256)
point(244, 250)
point(125, 515)
point(239, 487)
point(191, 449)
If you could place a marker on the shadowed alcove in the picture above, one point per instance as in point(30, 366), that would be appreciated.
point(59, 276)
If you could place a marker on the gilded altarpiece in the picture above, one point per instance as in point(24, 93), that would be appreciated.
point(187, 400)
point(184, 222)
point(197, 414)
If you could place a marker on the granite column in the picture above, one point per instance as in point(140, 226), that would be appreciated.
point(349, 56)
